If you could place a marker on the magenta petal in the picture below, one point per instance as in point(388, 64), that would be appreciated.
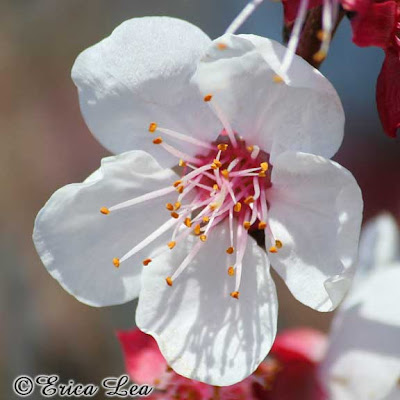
point(373, 26)
point(388, 92)
point(291, 7)
point(143, 360)
point(301, 344)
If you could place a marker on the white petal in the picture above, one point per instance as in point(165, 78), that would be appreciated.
point(203, 332)
point(77, 243)
point(303, 113)
point(379, 244)
point(315, 210)
point(141, 74)
point(363, 360)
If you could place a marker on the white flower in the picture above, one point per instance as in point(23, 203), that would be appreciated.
point(363, 359)
point(252, 151)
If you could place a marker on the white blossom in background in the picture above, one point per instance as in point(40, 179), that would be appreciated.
point(252, 149)
point(363, 358)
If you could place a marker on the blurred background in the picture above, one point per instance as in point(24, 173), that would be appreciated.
point(45, 145)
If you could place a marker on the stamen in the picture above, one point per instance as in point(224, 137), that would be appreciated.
point(171, 244)
point(116, 262)
point(248, 200)
point(197, 230)
point(233, 163)
point(168, 279)
point(104, 210)
point(224, 121)
point(256, 151)
point(157, 140)
point(177, 153)
point(243, 15)
point(152, 127)
point(278, 244)
point(188, 222)
point(141, 199)
point(147, 261)
point(182, 163)
point(149, 239)
point(184, 138)
point(273, 249)
point(207, 98)
point(264, 166)
point(177, 205)
point(256, 185)
point(206, 219)
point(235, 295)
point(225, 173)
point(169, 207)
point(174, 215)
point(203, 238)
point(222, 46)
point(294, 38)
point(237, 207)
point(179, 189)
point(230, 250)
point(231, 271)
point(246, 225)
point(222, 146)
point(187, 260)
point(262, 225)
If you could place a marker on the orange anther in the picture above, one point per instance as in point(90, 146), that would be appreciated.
point(222, 46)
point(182, 163)
point(222, 146)
point(206, 219)
point(230, 250)
point(235, 295)
point(319, 56)
point(147, 261)
point(169, 207)
point(278, 244)
point(208, 97)
point(217, 163)
point(174, 215)
point(273, 249)
point(104, 210)
point(262, 225)
point(177, 205)
point(188, 222)
point(157, 140)
point(213, 206)
point(177, 183)
point(171, 245)
point(250, 148)
point(203, 238)
point(196, 229)
point(116, 262)
point(168, 279)
point(225, 173)
point(264, 166)
point(246, 225)
point(179, 189)
point(277, 79)
point(152, 127)
point(262, 174)
point(237, 207)
point(248, 200)
point(215, 187)
point(322, 35)
point(231, 271)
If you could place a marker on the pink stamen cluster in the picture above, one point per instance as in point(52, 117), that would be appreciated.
point(227, 180)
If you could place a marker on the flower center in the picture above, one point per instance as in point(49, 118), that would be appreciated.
point(228, 179)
